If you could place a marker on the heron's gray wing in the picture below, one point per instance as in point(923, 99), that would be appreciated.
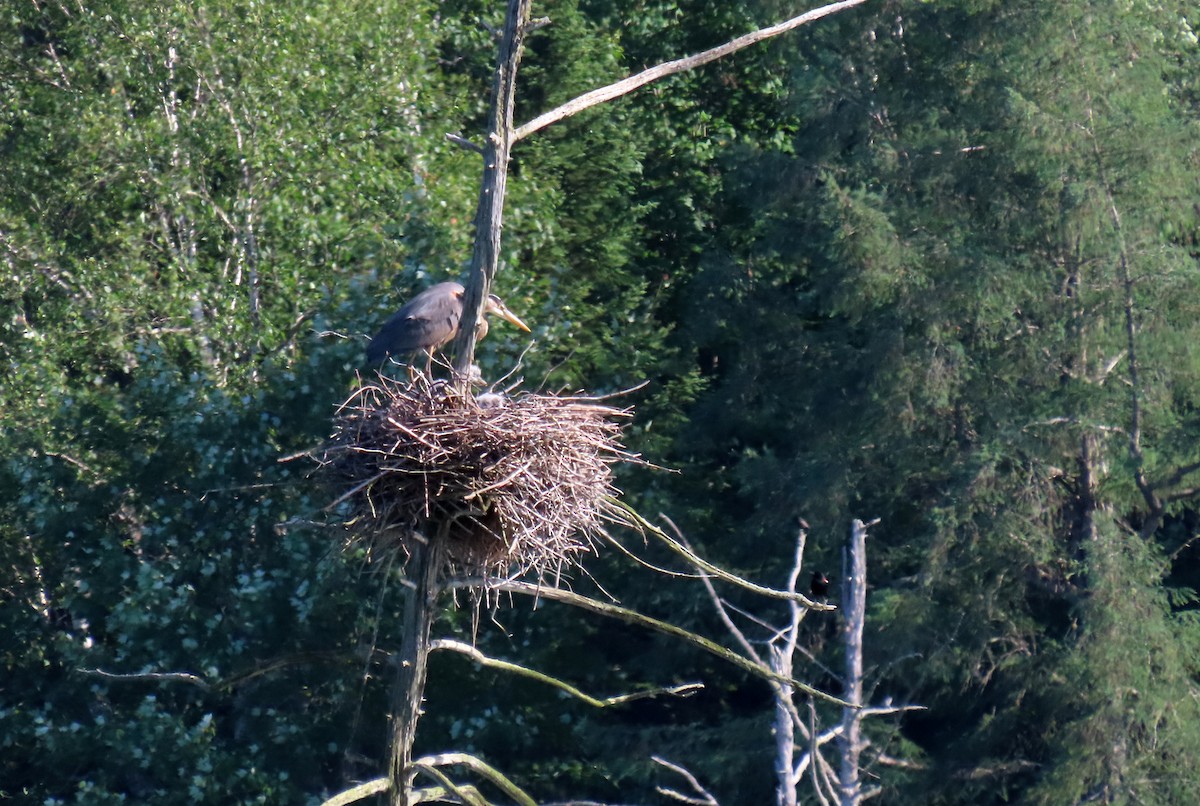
point(425, 323)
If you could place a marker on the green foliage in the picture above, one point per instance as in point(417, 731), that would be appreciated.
point(922, 318)
point(870, 269)
point(184, 195)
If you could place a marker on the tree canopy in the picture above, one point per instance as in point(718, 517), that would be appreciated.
point(935, 264)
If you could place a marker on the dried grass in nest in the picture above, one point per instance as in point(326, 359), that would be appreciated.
point(525, 483)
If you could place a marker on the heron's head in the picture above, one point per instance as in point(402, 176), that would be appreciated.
point(496, 305)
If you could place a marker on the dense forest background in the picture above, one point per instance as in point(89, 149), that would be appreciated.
point(933, 263)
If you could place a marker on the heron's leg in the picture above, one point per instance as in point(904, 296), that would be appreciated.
point(429, 363)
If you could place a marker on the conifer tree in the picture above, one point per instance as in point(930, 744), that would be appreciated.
point(959, 305)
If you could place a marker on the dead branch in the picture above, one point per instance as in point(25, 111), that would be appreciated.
point(704, 565)
point(702, 797)
point(153, 677)
point(628, 85)
point(357, 793)
point(474, 654)
point(480, 768)
point(1176, 477)
point(634, 617)
point(464, 143)
point(430, 765)
point(680, 546)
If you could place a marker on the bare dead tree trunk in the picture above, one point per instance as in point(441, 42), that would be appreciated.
point(409, 689)
point(854, 605)
point(502, 135)
point(489, 215)
point(785, 742)
point(425, 564)
point(782, 659)
point(799, 742)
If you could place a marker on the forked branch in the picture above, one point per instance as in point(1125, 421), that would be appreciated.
point(678, 546)
point(430, 765)
point(702, 796)
point(524, 671)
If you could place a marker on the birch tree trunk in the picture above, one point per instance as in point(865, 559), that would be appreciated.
point(854, 605)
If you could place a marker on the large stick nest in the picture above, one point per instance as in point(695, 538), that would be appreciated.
point(506, 484)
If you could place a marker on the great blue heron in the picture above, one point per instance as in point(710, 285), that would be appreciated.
point(429, 321)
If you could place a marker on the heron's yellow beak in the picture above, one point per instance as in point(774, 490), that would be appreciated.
point(501, 310)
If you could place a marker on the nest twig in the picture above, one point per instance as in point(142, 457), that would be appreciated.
point(509, 484)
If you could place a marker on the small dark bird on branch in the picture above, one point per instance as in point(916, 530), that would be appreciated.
point(819, 587)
